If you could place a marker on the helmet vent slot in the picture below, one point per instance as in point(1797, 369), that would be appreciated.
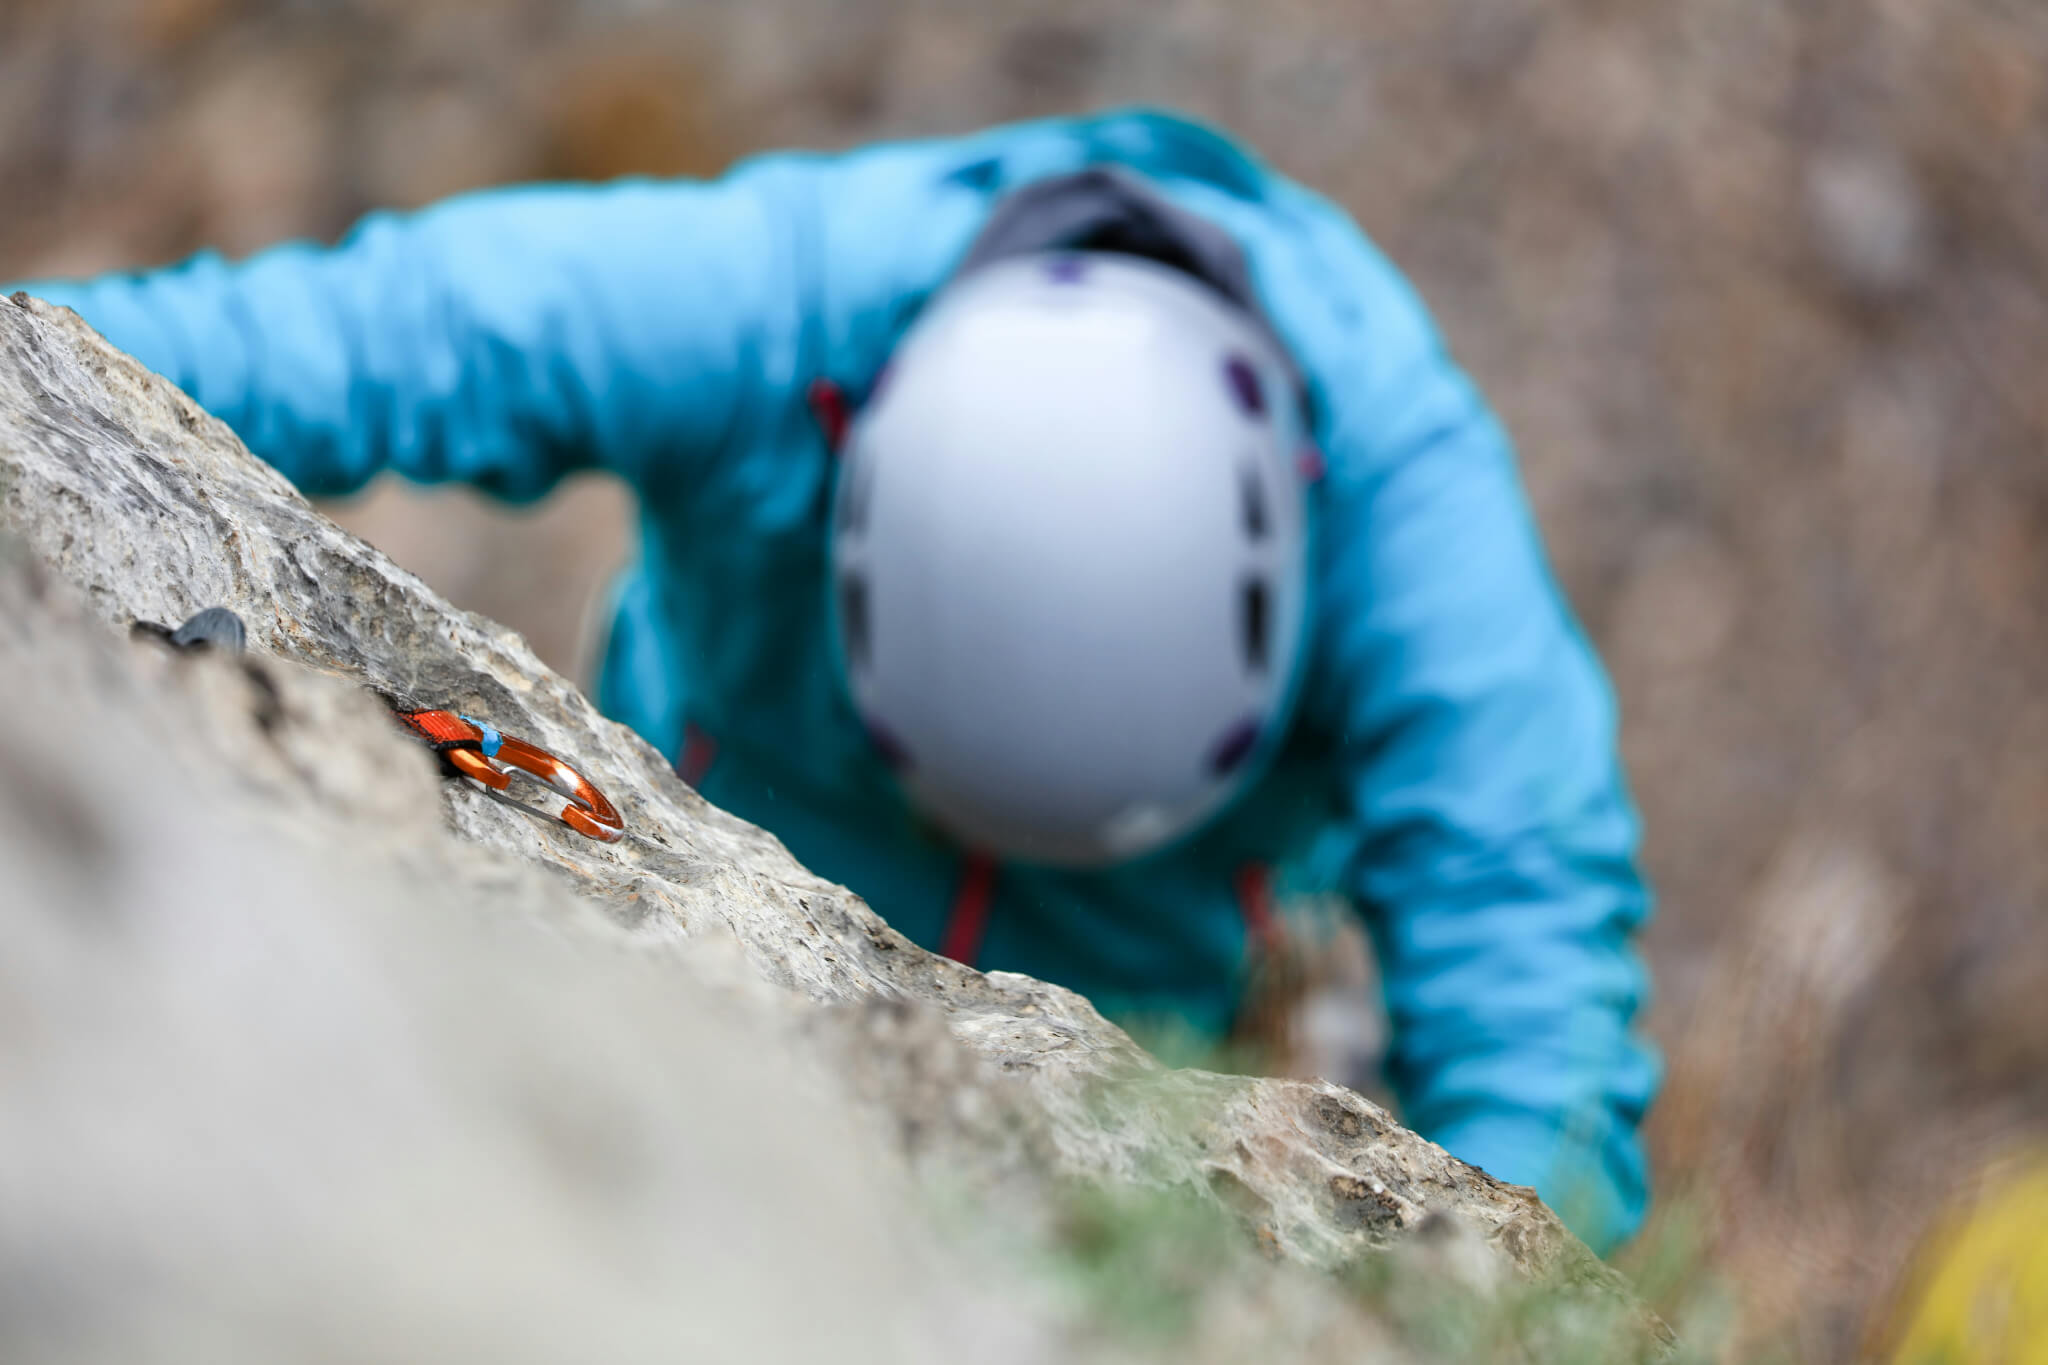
point(1251, 495)
point(1235, 745)
point(853, 619)
point(1252, 617)
point(1246, 391)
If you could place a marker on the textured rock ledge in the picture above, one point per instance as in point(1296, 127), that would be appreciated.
point(127, 500)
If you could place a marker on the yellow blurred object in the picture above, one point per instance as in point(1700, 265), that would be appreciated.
point(1983, 1281)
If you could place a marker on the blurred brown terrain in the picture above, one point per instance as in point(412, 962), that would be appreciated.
point(1760, 290)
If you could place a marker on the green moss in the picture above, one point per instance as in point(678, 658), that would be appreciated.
point(1139, 1263)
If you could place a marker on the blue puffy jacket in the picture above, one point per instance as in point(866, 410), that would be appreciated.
point(1450, 765)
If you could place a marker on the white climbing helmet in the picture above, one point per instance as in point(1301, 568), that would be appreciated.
point(1069, 555)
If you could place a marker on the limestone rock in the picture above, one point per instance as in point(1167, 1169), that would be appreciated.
point(272, 987)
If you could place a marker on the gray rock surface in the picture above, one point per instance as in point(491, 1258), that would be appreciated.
point(307, 1051)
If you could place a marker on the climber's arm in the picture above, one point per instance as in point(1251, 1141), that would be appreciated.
point(1495, 841)
point(503, 338)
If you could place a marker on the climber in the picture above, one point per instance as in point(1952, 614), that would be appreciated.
point(1068, 536)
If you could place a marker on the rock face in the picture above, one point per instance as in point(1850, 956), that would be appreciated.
point(305, 1049)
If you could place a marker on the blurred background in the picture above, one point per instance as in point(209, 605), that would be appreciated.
point(1759, 289)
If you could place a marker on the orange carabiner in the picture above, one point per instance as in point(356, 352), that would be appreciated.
point(587, 811)
point(479, 752)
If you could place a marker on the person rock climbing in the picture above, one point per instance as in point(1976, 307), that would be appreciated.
point(1063, 535)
